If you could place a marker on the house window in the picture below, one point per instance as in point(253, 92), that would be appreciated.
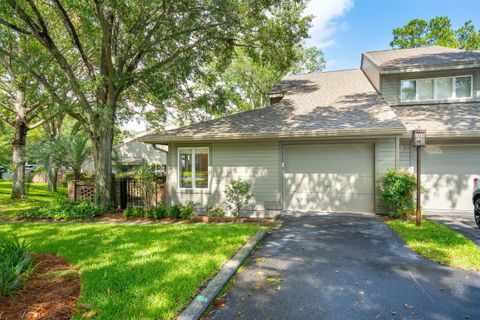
point(193, 168)
point(448, 88)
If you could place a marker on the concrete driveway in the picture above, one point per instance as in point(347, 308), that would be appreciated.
point(346, 266)
point(463, 223)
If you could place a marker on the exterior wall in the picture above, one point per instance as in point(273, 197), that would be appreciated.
point(405, 159)
point(371, 72)
point(259, 163)
point(386, 158)
point(255, 162)
point(390, 84)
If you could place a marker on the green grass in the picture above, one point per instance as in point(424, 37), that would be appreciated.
point(137, 271)
point(38, 194)
point(439, 243)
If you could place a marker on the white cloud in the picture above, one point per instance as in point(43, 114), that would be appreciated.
point(324, 24)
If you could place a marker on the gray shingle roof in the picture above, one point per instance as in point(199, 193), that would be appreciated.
point(329, 103)
point(422, 57)
point(441, 119)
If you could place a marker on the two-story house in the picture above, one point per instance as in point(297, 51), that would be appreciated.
point(327, 138)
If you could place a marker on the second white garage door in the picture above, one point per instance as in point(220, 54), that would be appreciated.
point(329, 177)
point(447, 175)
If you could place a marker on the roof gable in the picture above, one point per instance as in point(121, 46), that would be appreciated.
point(316, 104)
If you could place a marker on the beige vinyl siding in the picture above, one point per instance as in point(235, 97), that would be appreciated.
point(405, 157)
point(255, 162)
point(390, 84)
point(386, 159)
point(371, 71)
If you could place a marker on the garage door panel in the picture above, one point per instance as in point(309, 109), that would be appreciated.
point(329, 177)
point(447, 175)
point(335, 183)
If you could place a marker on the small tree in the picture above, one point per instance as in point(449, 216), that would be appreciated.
point(399, 193)
point(238, 195)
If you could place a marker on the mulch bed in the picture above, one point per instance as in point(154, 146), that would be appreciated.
point(51, 292)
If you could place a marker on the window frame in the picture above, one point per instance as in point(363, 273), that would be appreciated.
point(194, 182)
point(454, 91)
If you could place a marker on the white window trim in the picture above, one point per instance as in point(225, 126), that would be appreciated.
point(194, 181)
point(453, 98)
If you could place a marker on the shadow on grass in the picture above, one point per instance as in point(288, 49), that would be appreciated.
point(138, 271)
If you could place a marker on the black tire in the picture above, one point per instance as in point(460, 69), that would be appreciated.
point(477, 211)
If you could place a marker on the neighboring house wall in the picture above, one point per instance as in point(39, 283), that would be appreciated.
point(136, 151)
point(259, 163)
point(371, 71)
point(390, 84)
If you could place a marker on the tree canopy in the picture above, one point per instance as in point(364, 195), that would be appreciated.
point(438, 31)
point(105, 56)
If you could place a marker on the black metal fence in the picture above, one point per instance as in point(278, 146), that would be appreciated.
point(140, 193)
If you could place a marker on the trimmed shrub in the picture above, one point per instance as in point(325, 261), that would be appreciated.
point(214, 212)
point(174, 211)
point(133, 212)
point(187, 212)
point(399, 193)
point(238, 195)
point(15, 264)
point(159, 212)
point(63, 210)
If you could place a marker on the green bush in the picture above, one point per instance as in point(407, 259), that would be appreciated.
point(62, 209)
point(15, 264)
point(399, 193)
point(174, 211)
point(214, 212)
point(134, 212)
point(238, 195)
point(159, 212)
point(187, 212)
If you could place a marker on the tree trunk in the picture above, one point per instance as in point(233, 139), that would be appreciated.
point(102, 155)
point(52, 178)
point(19, 141)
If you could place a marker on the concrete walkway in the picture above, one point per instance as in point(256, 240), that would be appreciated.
point(347, 266)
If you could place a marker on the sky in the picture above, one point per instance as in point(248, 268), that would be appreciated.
point(344, 29)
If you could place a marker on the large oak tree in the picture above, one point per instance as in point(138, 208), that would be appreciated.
point(113, 51)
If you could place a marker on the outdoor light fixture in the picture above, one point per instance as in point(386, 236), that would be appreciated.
point(419, 140)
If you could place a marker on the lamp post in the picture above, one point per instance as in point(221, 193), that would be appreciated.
point(419, 138)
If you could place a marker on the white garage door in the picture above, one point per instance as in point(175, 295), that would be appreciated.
point(329, 177)
point(447, 175)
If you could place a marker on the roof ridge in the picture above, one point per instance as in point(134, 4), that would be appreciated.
point(405, 49)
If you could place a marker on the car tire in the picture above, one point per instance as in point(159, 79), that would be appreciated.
point(477, 211)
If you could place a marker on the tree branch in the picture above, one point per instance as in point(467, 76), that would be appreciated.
point(8, 121)
point(14, 27)
point(73, 35)
point(4, 106)
point(43, 36)
point(36, 125)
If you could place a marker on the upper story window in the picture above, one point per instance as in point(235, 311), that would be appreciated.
point(447, 88)
point(193, 168)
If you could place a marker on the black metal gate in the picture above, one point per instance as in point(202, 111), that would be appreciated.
point(138, 193)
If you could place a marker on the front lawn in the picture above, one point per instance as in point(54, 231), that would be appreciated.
point(439, 243)
point(38, 194)
point(136, 271)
